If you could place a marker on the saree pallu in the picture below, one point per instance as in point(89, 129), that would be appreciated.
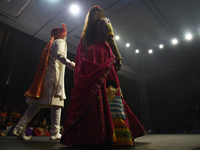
point(89, 121)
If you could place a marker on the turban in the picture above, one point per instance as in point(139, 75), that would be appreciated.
point(59, 33)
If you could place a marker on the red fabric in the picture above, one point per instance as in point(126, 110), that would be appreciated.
point(88, 118)
point(37, 132)
point(136, 127)
point(90, 76)
point(35, 90)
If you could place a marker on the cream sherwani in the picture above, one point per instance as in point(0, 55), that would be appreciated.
point(53, 89)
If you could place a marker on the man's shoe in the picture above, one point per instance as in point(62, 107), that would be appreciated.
point(19, 133)
point(17, 130)
point(55, 137)
point(24, 137)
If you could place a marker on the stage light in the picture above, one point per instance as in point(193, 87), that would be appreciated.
point(137, 51)
point(74, 9)
point(174, 41)
point(150, 51)
point(161, 46)
point(127, 45)
point(117, 37)
point(188, 36)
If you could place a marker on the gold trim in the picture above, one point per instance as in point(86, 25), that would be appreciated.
point(32, 96)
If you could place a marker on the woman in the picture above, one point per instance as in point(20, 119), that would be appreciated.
point(89, 119)
point(41, 130)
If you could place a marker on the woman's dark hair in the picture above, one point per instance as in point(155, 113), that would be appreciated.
point(111, 82)
point(93, 15)
point(40, 120)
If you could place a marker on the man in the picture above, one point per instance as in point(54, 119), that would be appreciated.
point(47, 89)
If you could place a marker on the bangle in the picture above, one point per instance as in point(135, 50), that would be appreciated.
point(119, 57)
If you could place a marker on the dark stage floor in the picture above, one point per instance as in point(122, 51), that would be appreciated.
point(147, 142)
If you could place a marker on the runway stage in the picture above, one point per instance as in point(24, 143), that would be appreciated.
point(147, 142)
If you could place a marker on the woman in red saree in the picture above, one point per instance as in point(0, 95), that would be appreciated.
point(89, 119)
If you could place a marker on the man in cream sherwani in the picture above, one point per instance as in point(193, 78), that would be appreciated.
point(52, 90)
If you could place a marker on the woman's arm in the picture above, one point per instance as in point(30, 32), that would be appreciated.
point(108, 31)
point(113, 46)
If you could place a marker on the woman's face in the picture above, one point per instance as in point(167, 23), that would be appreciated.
point(44, 123)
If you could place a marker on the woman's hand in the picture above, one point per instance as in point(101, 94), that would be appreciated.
point(118, 64)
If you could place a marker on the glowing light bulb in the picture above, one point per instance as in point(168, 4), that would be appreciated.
point(137, 51)
point(127, 45)
point(188, 36)
point(174, 41)
point(74, 9)
point(161, 46)
point(117, 37)
point(150, 51)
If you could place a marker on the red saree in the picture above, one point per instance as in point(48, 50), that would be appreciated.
point(89, 119)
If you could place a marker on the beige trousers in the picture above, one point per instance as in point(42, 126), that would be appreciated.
point(34, 108)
